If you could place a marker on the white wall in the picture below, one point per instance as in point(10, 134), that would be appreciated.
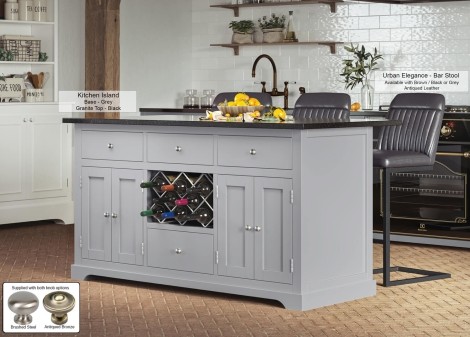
point(71, 44)
point(156, 50)
point(430, 36)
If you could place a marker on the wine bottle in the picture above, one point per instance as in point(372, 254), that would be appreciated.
point(180, 213)
point(156, 211)
point(156, 183)
point(192, 200)
point(202, 215)
point(169, 198)
point(178, 185)
point(204, 188)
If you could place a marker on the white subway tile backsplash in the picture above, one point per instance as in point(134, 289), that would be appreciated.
point(369, 22)
point(429, 36)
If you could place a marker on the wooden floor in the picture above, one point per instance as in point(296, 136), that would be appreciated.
point(108, 307)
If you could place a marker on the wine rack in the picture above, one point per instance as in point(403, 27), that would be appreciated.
point(191, 180)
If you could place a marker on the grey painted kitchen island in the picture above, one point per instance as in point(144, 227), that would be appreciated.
point(291, 204)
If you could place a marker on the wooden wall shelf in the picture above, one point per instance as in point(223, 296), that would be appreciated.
point(236, 47)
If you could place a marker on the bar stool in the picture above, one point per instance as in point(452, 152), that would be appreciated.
point(263, 97)
point(409, 147)
point(322, 105)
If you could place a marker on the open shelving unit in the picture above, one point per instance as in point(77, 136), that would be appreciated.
point(236, 47)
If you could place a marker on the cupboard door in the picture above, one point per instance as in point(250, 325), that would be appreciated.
point(235, 226)
point(49, 143)
point(96, 213)
point(273, 229)
point(12, 184)
point(127, 224)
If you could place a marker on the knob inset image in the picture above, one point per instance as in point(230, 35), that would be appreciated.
point(23, 304)
point(59, 303)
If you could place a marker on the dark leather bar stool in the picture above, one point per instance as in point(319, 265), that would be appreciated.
point(409, 147)
point(322, 105)
point(263, 97)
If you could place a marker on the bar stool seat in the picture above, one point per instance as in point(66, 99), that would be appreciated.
point(409, 147)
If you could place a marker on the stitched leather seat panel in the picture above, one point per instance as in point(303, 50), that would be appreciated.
point(322, 105)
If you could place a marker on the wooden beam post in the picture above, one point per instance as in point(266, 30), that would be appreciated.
point(102, 49)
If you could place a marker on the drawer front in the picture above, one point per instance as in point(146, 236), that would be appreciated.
point(181, 251)
point(180, 148)
point(112, 145)
point(262, 152)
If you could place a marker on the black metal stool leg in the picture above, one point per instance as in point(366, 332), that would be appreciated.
point(386, 269)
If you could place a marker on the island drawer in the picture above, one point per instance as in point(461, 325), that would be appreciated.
point(113, 145)
point(262, 152)
point(180, 148)
point(184, 251)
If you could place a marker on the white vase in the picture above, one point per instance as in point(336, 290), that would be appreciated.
point(273, 35)
point(367, 95)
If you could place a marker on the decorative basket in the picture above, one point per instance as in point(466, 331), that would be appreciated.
point(234, 111)
point(22, 50)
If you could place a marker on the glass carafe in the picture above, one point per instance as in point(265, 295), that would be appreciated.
point(191, 100)
point(207, 99)
point(290, 32)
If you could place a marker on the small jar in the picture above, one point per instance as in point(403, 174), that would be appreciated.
point(191, 100)
point(11, 10)
point(207, 98)
point(40, 10)
point(25, 10)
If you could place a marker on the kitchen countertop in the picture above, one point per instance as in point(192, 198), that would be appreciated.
point(193, 120)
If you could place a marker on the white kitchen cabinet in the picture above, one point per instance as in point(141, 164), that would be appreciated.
point(255, 228)
point(35, 174)
point(111, 224)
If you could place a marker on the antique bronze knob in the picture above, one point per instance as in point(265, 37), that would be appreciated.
point(23, 304)
point(59, 303)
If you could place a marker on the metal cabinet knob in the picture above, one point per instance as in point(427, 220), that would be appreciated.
point(252, 152)
point(113, 215)
point(110, 146)
point(178, 251)
point(24, 120)
point(59, 303)
point(31, 120)
point(248, 228)
point(23, 304)
point(178, 149)
point(257, 228)
point(106, 214)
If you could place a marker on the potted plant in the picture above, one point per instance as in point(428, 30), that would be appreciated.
point(357, 70)
point(242, 31)
point(273, 28)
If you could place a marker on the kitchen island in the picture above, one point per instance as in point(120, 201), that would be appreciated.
point(288, 215)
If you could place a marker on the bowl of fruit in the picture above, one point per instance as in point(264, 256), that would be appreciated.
point(241, 103)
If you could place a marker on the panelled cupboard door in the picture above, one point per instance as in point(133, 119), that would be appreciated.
point(49, 142)
point(234, 224)
point(96, 210)
point(127, 224)
point(273, 229)
point(12, 144)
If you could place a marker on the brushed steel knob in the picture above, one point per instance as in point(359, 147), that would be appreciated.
point(178, 149)
point(446, 131)
point(23, 304)
point(110, 146)
point(178, 251)
point(258, 228)
point(114, 215)
point(248, 228)
point(59, 303)
point(252, 152)
point(106, 214)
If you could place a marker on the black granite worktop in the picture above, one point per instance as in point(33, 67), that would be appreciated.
point(194, 121)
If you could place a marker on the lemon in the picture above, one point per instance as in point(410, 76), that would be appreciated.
point(356, 106)
point(241, 103)
point(231, 103)
point(278, 112)
point(253, 102)
point(241, 96)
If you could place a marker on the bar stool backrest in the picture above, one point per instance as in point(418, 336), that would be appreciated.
point(323, 105)
point(421, 116)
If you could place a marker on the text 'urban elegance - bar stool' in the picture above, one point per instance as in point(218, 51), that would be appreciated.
point(410, 146)
point(323, 105)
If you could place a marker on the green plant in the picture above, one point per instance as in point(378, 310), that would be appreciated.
point(274, 21)
point(6, 55)
point(242, 26)
point(43, 57)
point(358, 68)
